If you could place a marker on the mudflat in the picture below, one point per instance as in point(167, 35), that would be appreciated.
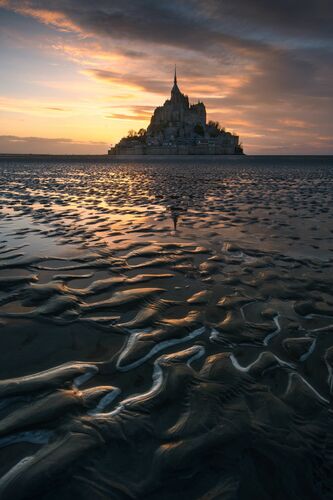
point(166, 328)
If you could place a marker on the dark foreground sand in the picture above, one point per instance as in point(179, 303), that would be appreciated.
point(166, 329)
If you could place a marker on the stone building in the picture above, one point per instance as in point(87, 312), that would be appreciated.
point(179, 128)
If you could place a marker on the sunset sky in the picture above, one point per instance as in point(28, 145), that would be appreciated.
point(76, 75)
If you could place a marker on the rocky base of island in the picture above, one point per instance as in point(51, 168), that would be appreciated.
point(174, 150)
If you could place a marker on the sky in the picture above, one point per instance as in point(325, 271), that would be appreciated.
point(76, 75)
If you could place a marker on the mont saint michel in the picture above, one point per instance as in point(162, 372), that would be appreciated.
point(179, 128)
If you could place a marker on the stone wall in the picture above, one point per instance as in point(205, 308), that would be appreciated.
point(181, 149)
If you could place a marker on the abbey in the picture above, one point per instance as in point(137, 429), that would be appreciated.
point(179, 128)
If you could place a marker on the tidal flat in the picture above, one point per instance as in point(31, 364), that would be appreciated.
point(166, 328)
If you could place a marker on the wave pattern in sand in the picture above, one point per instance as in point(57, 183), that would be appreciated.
point(166, 328)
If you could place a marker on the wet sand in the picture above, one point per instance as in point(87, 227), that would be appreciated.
point(166, 328)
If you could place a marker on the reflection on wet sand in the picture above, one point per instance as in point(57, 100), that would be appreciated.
point(166, 328)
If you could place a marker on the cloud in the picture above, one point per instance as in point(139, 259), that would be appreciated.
point(13, 144)
point(134, 113)
point(88, 52)
point(46, 15)
point(305, 18)
point(136, 81)
point(54, 108)
point(35, 106)
point(140, 21)
point(195, 23)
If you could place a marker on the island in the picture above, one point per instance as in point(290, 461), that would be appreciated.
point(179, 128)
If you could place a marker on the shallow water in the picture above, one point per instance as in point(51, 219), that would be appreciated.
point(166, 327)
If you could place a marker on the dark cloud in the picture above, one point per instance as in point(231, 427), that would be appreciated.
point(192, 23)
point(176, 24)
point(296, 18)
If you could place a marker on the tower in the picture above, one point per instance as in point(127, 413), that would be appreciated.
point(178, 100)
point(175, 89)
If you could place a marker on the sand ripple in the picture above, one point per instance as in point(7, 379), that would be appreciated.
point(166, 329)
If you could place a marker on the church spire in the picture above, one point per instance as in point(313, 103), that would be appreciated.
point(177, 98)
